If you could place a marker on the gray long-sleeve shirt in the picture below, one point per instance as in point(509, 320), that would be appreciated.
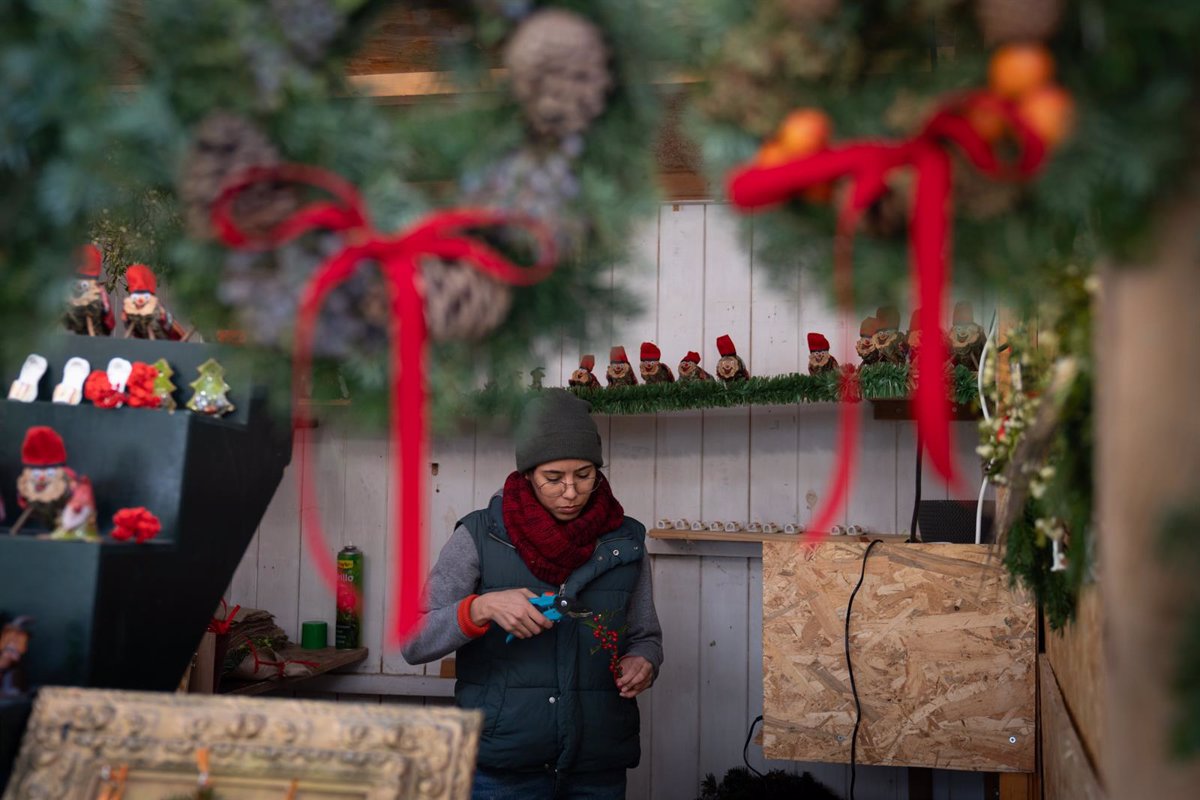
point(456, 576)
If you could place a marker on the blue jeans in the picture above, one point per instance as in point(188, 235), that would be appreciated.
point(499, 784)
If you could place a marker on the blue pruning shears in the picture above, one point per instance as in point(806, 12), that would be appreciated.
point(555, 607)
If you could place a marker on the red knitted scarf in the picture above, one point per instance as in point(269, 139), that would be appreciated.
point(551, 549)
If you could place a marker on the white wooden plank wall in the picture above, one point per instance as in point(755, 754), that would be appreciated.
point(697, 281)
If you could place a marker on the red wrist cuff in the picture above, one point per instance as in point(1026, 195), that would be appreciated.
point(464, 618)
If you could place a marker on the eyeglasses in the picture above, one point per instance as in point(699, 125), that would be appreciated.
point(557, 488)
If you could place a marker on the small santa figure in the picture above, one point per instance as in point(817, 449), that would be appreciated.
point(583, 376)
point(89, 310)
point(144, 316)
point(46, 483)
point(652, 368)
point(819, 359)
point(888, 340)
point(690, 369)
point(78, 518)
point(865, 346)
point(620, 372)
point(730, 367)
point(966, 338)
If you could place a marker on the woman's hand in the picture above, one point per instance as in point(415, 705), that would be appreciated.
point(634, 675)
point(512, 611)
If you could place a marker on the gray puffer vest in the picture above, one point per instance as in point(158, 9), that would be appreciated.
point(549, 702)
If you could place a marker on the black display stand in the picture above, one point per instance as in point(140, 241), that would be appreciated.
point(118, 614)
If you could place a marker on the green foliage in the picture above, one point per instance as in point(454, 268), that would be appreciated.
point(740, 784)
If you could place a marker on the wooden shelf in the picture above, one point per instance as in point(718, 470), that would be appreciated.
point(720, 536)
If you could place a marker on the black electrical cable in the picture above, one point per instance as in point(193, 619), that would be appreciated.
point(746, 746)
point(850, 669)
point(912, 527)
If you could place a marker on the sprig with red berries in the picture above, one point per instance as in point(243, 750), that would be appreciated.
point(608, 638)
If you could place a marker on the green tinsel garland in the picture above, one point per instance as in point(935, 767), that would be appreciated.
point(878, 382)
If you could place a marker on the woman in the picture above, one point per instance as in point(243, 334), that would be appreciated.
point(559, 720)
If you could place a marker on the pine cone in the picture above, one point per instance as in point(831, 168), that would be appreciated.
point(558, 64)
point(224, 144)
point(462, 303)
point(980, 196)
point(1018, 20)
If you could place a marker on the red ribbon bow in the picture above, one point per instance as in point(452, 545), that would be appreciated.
point(136, 523)
point(218, 625)
point(867, 164)
point(441, 235)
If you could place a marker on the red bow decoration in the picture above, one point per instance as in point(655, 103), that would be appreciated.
point(441, 235)
point(220, 625)
point(135, 523)
point(98, 389)
point(867, 164)
point(140, 386)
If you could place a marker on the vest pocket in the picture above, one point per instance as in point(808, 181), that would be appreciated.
point(488, 699)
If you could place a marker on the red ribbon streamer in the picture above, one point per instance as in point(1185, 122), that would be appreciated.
point(440, 235)
point(218, 625)
point(867, 164)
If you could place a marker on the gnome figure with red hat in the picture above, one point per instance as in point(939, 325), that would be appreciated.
point(966, 338)
point(584, 377)
point(865, 346)
point(819, 359)
point(730, 367)
point(78, 519)
point(143, 315)
point(46, 483)
point(889, 342)
point(690, 369)
point(620, 372)
point(652, 368)
point(89, 311)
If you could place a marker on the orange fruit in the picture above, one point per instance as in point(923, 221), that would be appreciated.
point(804, 131)
point(1050, 111)
point(986, 118)
point(1018, 69)
point(772, 154)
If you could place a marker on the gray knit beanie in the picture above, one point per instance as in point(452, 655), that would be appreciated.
point(554, 425)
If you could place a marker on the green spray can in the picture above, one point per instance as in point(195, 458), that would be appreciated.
point(348, 630)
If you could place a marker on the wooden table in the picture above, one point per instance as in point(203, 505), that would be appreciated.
point(327, 659)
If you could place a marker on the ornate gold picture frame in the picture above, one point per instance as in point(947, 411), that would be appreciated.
point(256, 749)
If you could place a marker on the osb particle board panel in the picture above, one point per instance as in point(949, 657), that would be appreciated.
point(944, 657)
point(1066, 771)
point(1076, 655)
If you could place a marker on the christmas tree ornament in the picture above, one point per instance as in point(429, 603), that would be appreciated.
point(461, 303)
point(448, 235)
point(163, 387)
point(1018, 20)
point(138, 524)
point(77, 522)
point(25, 388)
point(865, 346)
point(619, 372)
point(1015, 70)
point(557, 63)
point(144, 316)
point(14, 645)
point(730, 367)
point(89, 310)
point(70, 390)
point(1050, 112)
point(966, 337)
point(652, 369)
point(210, 391)
point(223, 145)
point(890, 347)
point(819, 358)
point(690, 369)
point(140, 388)
point(583, 375)
point(45, 483)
